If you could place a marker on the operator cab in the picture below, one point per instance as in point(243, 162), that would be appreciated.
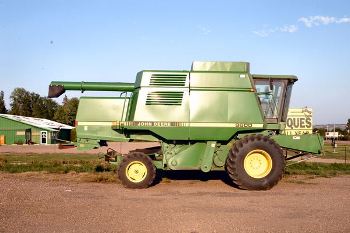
point(274, 92)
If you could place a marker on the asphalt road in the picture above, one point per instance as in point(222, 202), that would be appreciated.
point(60, 203)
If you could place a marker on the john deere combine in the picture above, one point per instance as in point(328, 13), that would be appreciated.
point(217, 116)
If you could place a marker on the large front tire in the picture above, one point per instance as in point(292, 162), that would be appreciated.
point(136, 171)
point(255, 162)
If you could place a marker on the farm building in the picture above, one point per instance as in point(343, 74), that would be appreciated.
point(29, 130)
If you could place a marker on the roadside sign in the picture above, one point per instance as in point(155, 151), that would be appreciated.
point(299, 121)
point(330, 135)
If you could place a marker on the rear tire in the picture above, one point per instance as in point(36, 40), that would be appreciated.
point(255, 162)
point(136, 171)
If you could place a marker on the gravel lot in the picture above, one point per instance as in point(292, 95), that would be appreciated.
point(60, 203)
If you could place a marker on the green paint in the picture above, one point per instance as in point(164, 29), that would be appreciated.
point(312, 143)
point(196, 115)
point(207, 159)
point(183, 157)
point(95, 118)
point(221, 154)
point(14, 132)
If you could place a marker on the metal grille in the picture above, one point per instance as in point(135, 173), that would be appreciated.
point(164, 98)
point(168, 80)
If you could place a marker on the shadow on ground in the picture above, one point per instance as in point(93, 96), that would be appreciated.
point(193, 175)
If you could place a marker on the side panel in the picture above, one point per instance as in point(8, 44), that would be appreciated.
point(104, 109)
point(161, 100)
point(221, 80)
point(312, 143)
point(209, 106)
point(195, 106)
point(221, 104)
point(162, 104)
point(188, 158)
point(96, 114)
point(206, 156)
point(224, 106)
point(154, 113)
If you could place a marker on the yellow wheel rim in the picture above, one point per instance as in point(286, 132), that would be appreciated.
point(258, 164)
point(136, 171)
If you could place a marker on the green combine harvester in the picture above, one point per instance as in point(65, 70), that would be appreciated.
point(217, 116)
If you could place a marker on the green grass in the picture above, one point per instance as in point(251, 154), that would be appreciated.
point(97, 170)
point(53, 163)
point(340, 152)
point(318, 169)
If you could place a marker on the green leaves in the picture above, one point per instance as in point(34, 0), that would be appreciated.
point(31, 104)
point(2, 103)
point(66, 113)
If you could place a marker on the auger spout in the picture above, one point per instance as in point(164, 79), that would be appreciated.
point(57, 88)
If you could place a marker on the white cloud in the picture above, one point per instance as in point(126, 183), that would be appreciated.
point(286, 28)
point(318, 20)
point(289, 28)
point(309, 22)
point(344, 20)
point(263, 33)
point(204, 30)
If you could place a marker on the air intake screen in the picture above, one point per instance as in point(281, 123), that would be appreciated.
point(164, 98)
point(168, 80)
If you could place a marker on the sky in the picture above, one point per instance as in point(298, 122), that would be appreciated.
point(76, 40)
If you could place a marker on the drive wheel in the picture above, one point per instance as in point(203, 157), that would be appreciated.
point(255, 162)
point(136, 171)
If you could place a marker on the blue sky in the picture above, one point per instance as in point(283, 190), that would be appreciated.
point(41, 41)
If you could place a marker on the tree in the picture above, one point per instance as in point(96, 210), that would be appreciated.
point(43, 107)
point(321, 131)
point(67, 112)
point(31, 104)
point(21, 102)
point(51, 107)
point(2, 103)
point(37, 106)
point(347, 131)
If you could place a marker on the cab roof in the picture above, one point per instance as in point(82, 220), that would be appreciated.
point(268, 76)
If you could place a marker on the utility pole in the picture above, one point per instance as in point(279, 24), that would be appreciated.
point(334, 144)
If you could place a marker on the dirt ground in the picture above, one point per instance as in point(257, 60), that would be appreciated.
point(61, 203)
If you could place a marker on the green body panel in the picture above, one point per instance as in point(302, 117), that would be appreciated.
point(221, 154)
point(95, 118)
point(162, 78)
point(183, 157)
point(149, 105)
point(220, 66)
point(87, 144)
point(207, 159)
point(185, 131)
point(312, 143)
point(198, 156)
point(201, 105)
point(220, 81)
point(205, 107)
point(189, 157)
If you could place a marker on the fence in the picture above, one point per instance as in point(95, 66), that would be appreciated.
point(336, 152)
